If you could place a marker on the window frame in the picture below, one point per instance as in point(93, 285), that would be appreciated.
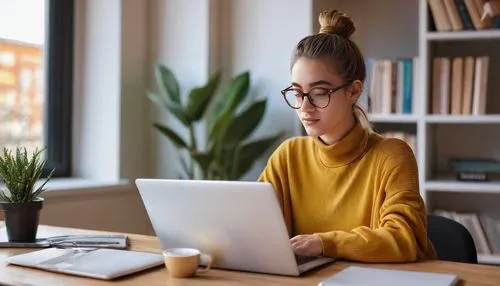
point(59, 50)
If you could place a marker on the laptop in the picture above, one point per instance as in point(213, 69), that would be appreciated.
point(100, 263)
point(239, 223)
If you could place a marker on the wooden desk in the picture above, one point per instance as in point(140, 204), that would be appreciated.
point(17, 275)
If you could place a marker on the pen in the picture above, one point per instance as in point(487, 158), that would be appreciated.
point(85, 242)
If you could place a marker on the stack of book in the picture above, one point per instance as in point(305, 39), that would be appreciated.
point(483, 227)
point(459, 85)
point(474, 169)
point(459, 15)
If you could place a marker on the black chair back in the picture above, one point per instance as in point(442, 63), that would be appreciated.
point(451, 240)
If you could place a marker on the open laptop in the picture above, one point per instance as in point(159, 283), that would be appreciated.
point(239, 223)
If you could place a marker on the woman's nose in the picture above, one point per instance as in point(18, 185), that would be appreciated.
point(306, 104)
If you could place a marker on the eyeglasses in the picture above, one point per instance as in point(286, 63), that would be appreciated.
point(319, 97)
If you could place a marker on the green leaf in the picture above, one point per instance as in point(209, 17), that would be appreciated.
point(168, 83)
point(233, 95)
point(5, 198)
point(231, 130)
point(176, 139)
point(237, 90)
point(204, 160)
point(231, 166)
point(248, 153)
point(171, 106)
point(219, 128)
point(41, 188)
point(199, 98)
point(244, 124)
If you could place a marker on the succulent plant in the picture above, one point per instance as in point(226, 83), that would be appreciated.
point(20, 172)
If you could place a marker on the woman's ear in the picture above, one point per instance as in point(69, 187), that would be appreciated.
point(355, 90)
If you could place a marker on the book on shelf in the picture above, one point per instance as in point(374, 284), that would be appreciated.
point(390, 85)
point(483, 227)
point(459, 85)
point(473, 169)
point(461, 15)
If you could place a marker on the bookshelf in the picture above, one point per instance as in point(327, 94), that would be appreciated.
point(391, 31)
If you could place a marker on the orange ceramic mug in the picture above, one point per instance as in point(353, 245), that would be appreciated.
point(185, 262)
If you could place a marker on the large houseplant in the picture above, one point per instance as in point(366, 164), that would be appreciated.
point(21, 200)
point(229, 116)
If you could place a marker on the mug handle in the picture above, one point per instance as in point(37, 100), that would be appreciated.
point(208, 259)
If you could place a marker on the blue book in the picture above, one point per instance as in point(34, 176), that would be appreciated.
point(407, 85)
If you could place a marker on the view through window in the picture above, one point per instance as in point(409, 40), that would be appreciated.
point(22, 76)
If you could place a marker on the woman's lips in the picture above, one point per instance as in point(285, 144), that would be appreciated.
point(309, 121)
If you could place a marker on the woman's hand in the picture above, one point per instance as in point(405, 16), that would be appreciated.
point(307, 245)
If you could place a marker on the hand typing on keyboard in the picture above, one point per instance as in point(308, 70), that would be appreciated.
point(307, 245)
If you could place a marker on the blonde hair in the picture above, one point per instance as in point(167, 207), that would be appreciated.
point(361, 116)
point(333, 44)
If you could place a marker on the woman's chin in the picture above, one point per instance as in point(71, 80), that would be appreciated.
point(313, 132)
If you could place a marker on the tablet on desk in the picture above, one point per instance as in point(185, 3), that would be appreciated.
point(356, 275)
point(100, 263)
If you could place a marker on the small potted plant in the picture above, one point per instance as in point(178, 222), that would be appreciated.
point(20, 194)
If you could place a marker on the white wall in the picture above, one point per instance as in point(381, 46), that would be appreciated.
point(97, 89)
point(110, 109)
point(259, 36)
point(179, 40)
point(370, 16)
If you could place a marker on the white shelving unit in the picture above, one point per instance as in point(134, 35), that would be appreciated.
point(463, 119)
point(465, 187)
point(444, 136)
point(462, 35)
point(388, 118)
point(400, 29)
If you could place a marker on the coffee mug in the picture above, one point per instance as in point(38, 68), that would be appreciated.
point(185, 262)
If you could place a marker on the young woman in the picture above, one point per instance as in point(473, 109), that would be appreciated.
point(345, 191)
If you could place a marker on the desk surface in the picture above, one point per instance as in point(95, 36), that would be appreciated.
point(16, 275)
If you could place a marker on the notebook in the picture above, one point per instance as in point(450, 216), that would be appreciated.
point(101, 263)
point(356, 275)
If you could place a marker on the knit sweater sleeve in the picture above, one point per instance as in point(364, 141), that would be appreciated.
point(400, 235)
point(276, 173)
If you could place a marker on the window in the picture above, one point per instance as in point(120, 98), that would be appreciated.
point(36, 78)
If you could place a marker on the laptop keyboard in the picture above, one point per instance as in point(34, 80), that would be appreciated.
point(304, 259)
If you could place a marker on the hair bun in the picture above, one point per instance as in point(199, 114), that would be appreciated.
point(336, 22)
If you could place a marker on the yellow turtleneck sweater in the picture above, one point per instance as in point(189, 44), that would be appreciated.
point(360, 195)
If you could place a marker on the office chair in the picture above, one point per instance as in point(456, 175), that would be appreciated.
point(451, 240)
